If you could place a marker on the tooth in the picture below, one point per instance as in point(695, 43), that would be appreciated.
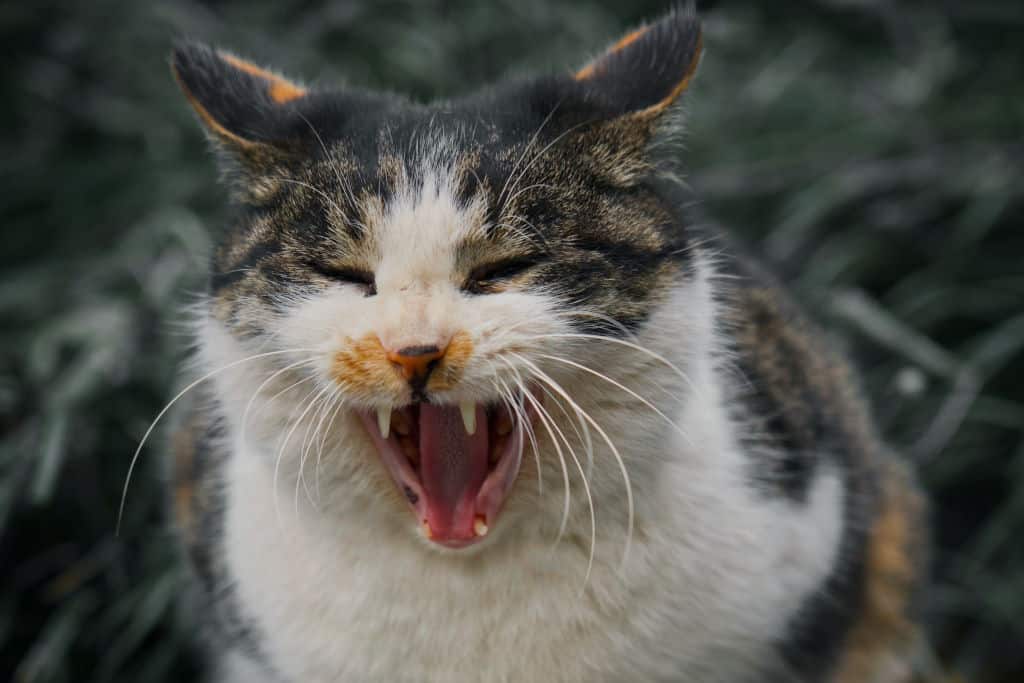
point(425, 530)
point(468, 409)
point(479, 526)
point(384, 421)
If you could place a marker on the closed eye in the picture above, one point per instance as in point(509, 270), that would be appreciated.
point(487, 278)
point(352, 276)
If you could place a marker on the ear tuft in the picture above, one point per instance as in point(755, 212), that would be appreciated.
point(647, 69)
point(238, 101)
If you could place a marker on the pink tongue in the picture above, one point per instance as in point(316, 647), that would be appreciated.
point(453, 466)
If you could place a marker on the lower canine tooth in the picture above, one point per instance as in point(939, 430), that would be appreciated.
point(479, 526)
point(384, 421)
point(468, 416)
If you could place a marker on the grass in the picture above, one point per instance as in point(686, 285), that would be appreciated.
point(871, 151)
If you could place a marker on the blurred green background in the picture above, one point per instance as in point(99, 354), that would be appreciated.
point(872, 151)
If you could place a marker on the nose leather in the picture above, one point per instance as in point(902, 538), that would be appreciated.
point(415, 363)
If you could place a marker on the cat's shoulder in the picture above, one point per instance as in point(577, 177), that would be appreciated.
point(799, 393)
point(199, 486)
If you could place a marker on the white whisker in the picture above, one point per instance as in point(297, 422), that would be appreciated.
point(508, 398)
point(558, 449)
point(541, 153)
point(526, 150)
point(597, 337)
point(535, 186)
point(582, 431)
point(312, 397)
point(339, 402)
point(326, 403)
point(320, 192)
point(177, 397)
point(268, 380)
point(621, 386)
point(331, 160)
point(546, 418)
point(615, 451)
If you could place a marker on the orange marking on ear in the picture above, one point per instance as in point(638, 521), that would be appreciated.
point(588, 71)
point(280, 89)
point(682, 84)
point(207, 117)
point(283, 91)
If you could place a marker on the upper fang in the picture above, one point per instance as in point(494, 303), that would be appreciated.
point(468, 416)
point(384, 421)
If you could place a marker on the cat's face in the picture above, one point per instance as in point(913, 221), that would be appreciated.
point(446, 274)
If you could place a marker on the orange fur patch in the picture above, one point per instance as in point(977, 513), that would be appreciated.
point(208, 119)
point(183, 447)
point(364, 366)
point(683, 84)
point(878, 647)
point(279, 89)
point(589, 70)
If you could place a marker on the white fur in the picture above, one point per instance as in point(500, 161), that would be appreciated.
point(344, 587)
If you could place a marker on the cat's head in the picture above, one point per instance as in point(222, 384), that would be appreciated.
point(465, 280)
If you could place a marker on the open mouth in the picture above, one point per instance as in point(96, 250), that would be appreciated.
point(454, 464)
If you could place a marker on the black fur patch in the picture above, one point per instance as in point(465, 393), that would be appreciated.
point(816, 634)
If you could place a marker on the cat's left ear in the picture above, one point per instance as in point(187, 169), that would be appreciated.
point(646, 70)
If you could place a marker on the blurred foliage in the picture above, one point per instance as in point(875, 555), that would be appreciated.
point(871, 150)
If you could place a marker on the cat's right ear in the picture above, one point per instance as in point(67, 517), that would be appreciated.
point(647, 70)
point(248, 110)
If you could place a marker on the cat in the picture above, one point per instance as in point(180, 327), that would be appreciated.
point(481, 403)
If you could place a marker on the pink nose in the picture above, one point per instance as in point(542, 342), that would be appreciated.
point(415, 363)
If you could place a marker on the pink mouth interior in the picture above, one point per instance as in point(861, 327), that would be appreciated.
point(454, 482)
